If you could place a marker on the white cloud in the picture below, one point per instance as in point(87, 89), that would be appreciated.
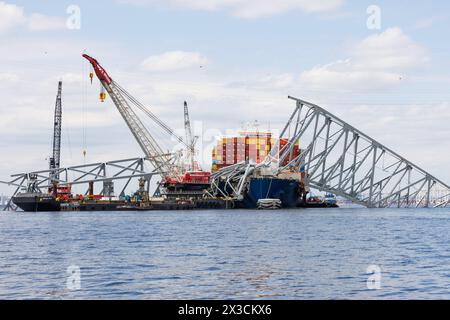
point(430, 21)
point(411, 130)
point(40, 22)
point(8, 77)
point(379, 60)
point(10, 16)
point(345, 75)
point(248, 9)
point(390, 50)
point(174, 60)
point(13, 16)
point(278, 81)
point(71, 78)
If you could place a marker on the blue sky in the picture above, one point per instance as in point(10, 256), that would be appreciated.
point(391, 82)
point(284, 41)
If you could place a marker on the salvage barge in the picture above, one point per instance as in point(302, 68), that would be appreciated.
point(46, 203)
point(286, 191)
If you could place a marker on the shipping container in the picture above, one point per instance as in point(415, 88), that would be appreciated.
point(249, 147)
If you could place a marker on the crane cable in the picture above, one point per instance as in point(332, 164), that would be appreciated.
point(151, 115)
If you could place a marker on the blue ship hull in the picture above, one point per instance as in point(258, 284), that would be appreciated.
point(287, 190)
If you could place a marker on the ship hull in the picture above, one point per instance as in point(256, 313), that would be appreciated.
point(286, 190)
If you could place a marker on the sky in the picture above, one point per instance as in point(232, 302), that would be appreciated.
point(382, 66)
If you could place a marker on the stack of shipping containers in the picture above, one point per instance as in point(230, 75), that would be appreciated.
point(248, 147)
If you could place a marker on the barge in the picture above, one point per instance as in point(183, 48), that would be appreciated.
point(35, 202)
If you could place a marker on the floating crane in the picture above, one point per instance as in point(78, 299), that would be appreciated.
point(174, 178)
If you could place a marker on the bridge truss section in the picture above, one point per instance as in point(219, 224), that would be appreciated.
point(342, 160)
point(102, 172)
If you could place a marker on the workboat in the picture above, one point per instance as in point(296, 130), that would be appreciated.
point(330, 199)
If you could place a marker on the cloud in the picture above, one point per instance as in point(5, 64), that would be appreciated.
point(8, 77)
point(249, 9)
point(281, 81)
point(429, 22)
point(71, 78)
point(13, 16)
point(378, 61)
point(10, 16)
point(278, 81)
point(173, 61)
point(390, 50)
point(345, 75)
point(40, 22)
point(411, 130)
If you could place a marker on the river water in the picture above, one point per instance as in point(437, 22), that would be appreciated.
point(291, 254)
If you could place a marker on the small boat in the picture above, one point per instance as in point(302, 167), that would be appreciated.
point(269, 204)
point(330, 199)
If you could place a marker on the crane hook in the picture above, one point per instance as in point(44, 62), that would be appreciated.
point(102, 95)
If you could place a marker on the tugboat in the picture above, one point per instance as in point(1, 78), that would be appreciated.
point(330, 199)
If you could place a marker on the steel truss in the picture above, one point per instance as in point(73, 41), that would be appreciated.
point(342, 160)
point(126, 169)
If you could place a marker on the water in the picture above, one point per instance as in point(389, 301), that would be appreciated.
point(298, 254)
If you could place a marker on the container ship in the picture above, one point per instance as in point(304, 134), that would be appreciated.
point(254, 147)
point(285, 190)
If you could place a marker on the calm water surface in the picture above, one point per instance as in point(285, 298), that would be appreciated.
point(298, 254)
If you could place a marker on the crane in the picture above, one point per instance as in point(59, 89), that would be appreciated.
point(159, 159)
point(55, 159)
point(190, 140)
point(54, 188)
point(174, 177)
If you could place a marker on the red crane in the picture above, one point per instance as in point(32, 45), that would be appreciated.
point(174, 177)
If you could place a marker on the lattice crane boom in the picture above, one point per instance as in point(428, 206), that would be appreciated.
point(122, 100)
point(189, 138)
point(55, 160)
